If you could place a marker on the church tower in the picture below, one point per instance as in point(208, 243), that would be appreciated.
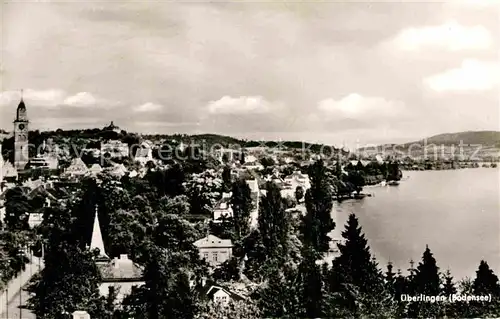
point(21, 122)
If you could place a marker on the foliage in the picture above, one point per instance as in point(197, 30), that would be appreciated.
point(355, 274)
point(242, 205)
point(318, 223)
point(234, 309)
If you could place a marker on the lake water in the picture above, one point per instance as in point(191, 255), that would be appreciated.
point(455, 212)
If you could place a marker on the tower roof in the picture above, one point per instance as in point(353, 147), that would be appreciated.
point(96, 241)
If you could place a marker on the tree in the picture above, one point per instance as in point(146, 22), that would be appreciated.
point(357, 179)
point(226, 178)
point(299, 193)
point(390, 279)
point(427, 282)
point(355, 273)
point(273, 223)
point(486, 283)
point(242, 205)
point(167, 291)
point(17, 209)
point(449, 309)
point(318, 223)
point(311, 292)
point(234, 309)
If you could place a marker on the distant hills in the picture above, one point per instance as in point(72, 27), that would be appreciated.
point(478, 144)
point(485, 138)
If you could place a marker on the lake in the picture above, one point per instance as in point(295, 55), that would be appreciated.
point(455, 212)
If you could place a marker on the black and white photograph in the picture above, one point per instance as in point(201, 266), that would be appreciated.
point(247, 159)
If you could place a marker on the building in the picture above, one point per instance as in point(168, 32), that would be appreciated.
point(44, 162)
point(223, 209)
point(214, 250)
point(77, 168)
point(120, 274)
point(298, 179)
point(21, 124)
point(114, 149)
point(219, 294)
point(144, 153)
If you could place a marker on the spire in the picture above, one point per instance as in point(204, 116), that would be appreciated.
point(97, 241)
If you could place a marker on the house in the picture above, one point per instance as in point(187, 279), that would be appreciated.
point(298, 179)
point(120, 274)
point(214, 250)
point(219, 294)
point(115, 149)
point(144, 153)
point(118, 170)
point(223, 208)
point(95, 169)
point(77, 168)
point(35, 219)
point(47, 161)
point(9, 172)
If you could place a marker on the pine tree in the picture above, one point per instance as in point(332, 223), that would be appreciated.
point(390, 278)
point(449, 309)
point(318, 222)
point(427, 282)
point(311, 292)
point(355, 268)
point(486, 283)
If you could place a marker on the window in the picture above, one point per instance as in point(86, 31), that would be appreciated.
point(215, 256)
point(205, 255)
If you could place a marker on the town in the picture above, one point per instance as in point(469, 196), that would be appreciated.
point(120, 225)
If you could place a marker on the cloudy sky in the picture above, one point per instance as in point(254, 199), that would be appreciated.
point(329, 72)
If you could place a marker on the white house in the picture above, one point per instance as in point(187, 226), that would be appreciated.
point(115, 149)
point(214, 250)
point(220, 294)
point(144, 153)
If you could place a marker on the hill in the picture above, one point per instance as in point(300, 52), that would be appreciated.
point(485, 138)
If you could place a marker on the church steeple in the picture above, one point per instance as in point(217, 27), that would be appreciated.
point(21, 114)
point(96, 241)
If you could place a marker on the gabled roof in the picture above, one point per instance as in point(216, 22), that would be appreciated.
point(120, 270)
point(77, 166)
point(211, 288)
point(212, 241)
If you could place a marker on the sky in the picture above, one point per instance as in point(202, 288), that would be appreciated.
point(330, 72)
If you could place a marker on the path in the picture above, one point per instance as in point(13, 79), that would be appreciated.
point(9, 298)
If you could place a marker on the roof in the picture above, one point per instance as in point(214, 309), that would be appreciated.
point(77, 166)
point(96, 241)
point(96, 168)
point(212, 241)
point(210, 289)
point(120, 270)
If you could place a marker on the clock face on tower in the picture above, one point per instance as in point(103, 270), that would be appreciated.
point(21, 126)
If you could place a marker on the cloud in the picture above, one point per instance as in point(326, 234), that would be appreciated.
point(450, 36)
point(472, 75)
point(356, 106)
point(148, 107)
point(240, 105)
point(46, 98)
point(80, 99)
